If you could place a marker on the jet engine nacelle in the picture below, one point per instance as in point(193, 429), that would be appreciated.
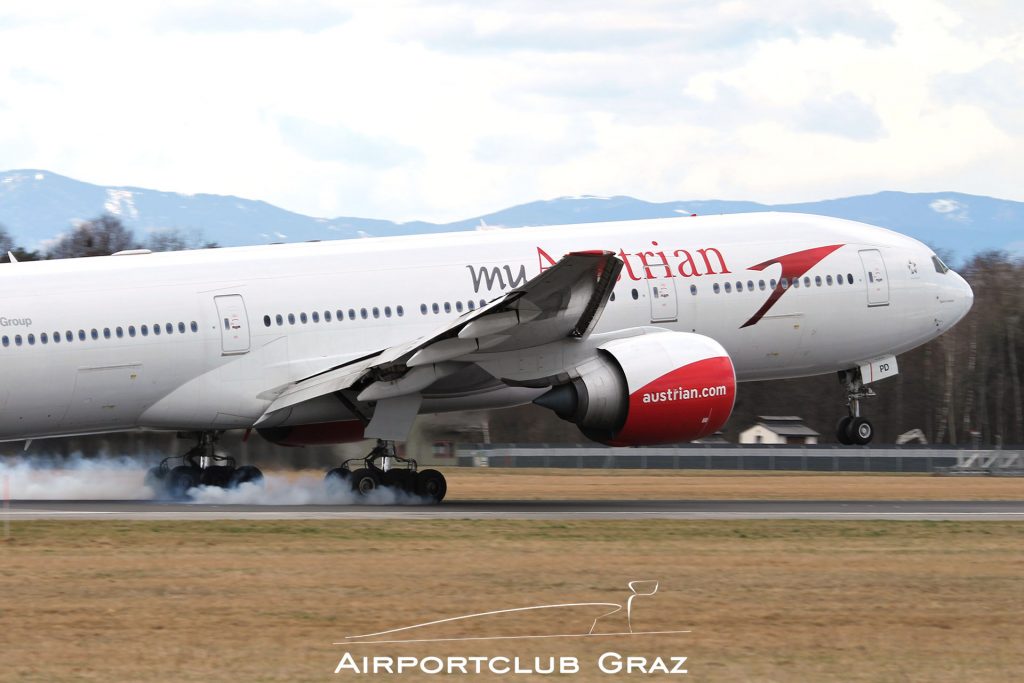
point(665, 387)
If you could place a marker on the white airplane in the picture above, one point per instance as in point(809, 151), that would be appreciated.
point(635, 331)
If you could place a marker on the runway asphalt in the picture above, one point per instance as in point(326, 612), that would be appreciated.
point(528, 509)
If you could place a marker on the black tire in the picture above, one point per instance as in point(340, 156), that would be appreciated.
point(431, 484)
point(365, 480)
point(156, 479)
point(400, 479)
point(180, 480)
point(217, 475)
point(339, 475)
point(843, 431)
point(246, 474)
point(861, 431)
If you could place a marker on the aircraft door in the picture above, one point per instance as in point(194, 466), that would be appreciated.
point(876, 277)
point(233, 323)
point(664, 307)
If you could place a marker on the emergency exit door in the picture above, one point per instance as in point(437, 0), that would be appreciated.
point(875, 277)
point(234, 324)
point(664, 307)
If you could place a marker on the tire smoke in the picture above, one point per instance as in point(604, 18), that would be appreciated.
point(80, 478)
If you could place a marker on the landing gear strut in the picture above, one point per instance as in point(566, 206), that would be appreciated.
point(854, 429)
point(200, 465)
point(392, 471)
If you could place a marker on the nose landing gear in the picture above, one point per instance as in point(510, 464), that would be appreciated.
point(392, 471)
point(854, 429)
point(200, 465)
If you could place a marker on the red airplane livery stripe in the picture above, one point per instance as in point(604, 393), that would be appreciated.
point(793, 266)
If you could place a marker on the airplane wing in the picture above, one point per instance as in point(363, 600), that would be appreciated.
point(564, 301)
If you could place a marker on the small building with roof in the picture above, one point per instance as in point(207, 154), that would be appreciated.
point(779, 430)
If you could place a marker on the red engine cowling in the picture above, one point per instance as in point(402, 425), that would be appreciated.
point(665, 387)
point(319, 434)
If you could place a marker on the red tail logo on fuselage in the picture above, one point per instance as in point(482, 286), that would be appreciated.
point(793, 266)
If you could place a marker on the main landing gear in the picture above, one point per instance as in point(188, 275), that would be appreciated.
point(201, 465)
point(854, 429)
point(393, 471)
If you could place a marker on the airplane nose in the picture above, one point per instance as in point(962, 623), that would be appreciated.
point(964, 296)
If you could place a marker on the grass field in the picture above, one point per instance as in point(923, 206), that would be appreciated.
point(264, 601)
point(562, 484)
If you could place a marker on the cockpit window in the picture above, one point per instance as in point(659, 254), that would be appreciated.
point(940, 267)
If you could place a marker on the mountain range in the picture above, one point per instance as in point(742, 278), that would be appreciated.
point(37, 205)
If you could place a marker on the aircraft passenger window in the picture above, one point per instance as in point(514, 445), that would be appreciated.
point(423, 309)
point(458, 306)
point(435, 308)
point(131, 330)
point(839, 279)
point(291, 318)
point(940, 267)
point(447, 307)
point(43, 338)
point(828, 280)
point(750, 285)
point(119, 332)
point(635, 294)
point(472, 304)
point(170, 328)
point(363, 313)
point(760, 285)
point(772, 283)
point(32, 340)
point(870, 277)
point(94, 333)
point(194, 326)
point(739, 286)
point(611, 298)
point(717, 288)
point(340, 315)
point(376, 312)
point(728, 288)
point(387, 311)
point(302, 318)
point(327, 316)
point(69, 336)
point(796, 282)
point(849, 278)
point(266, 321)
point(6, 340)
point(181, 326)
point(17, 340)
point(817, 281)
point(400, 311)
point(106, 333)
point(144, 329)
point(227, 324)
point(482, 303)
point(693, 290)
point(56, 337)
point(784, 282)
point(156, 328)
point(316, 316)
point(351, 314)
point(807, 282)
point(81, 335)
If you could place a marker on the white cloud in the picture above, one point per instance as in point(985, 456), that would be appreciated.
point(443, 110)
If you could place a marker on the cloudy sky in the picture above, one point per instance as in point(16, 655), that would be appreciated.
point(441, 110)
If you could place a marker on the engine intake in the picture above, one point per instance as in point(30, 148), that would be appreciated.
point(666, 387)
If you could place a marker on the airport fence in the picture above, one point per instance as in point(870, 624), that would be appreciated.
point(707, 457)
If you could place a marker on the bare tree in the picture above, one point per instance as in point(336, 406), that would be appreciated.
point(174, 239)
point(101, 236)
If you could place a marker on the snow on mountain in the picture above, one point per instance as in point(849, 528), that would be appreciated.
point(37, 205)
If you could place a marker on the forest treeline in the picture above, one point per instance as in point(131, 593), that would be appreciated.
point(963, 388)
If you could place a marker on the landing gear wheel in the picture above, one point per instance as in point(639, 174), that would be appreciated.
point(217, 475)
point(339, 475)
point(365, 480)
point(861, 431)
point(431, 484)
point(181, 479)
point(246, 474)
point(843, 431)
point(404, 480)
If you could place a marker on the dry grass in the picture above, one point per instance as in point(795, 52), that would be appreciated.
point(263, 601)
point(562, 484)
